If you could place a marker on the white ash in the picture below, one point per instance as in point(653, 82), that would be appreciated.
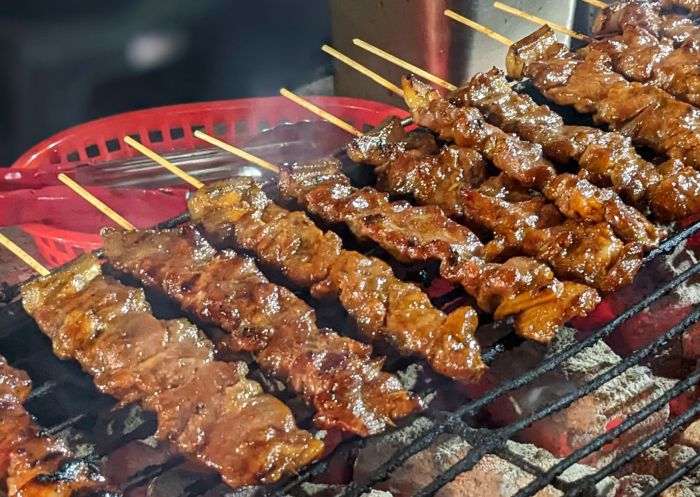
point(492, 476)
point(590, 416)
point(635, 485)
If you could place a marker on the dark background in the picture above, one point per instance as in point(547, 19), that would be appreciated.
point(67, 62)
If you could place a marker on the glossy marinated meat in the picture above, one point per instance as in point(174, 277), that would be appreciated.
point(655, 16)
point(609, 263)
point(383, 306)
point(645, 113)
point(424, 233)
point(671, 191)
point(453, 119)
point(206, 408)
point(335, 375)
point(34, 465)
point(639, 55)
point(503, 207)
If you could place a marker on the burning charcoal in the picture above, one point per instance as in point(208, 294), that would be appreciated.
point(691, 436)
point(669, 310)
point(569, 429)
point(492, 476)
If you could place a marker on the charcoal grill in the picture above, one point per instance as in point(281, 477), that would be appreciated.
point(65, 402)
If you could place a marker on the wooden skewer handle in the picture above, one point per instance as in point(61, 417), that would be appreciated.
point(24, 256)
point(96, 202)
point(163, 162)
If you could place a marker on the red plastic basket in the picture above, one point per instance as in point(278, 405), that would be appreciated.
point(170, 129)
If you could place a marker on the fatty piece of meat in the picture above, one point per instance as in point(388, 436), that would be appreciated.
point(594, 414)
point(493, 476)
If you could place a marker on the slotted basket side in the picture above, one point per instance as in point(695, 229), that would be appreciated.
point(170, 129)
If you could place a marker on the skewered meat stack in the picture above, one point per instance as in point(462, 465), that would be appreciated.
point(523, 162)
point(335, 375)
point(671, 191)
point(589, 253)
point(648, 115)
point(659, 17)
point(169, 367)
point(32, 464)
point(520, 286)
point(239, 213)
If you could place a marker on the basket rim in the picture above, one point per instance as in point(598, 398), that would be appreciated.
point(28, 160)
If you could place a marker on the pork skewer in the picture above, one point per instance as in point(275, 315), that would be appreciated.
point(639, 55)
point(521, 286)
point(585, 252)
point(523, 161)
point(36, 464)
point(655, 16)
point(169, 367)
point(647, 114)
point(238, 213)
point(336, 376)
point(671, 190)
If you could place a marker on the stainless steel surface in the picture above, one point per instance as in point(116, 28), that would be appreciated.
point(417, 31)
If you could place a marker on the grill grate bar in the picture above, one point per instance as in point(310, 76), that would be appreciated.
point(423, 440)
point(151, 472)
point(641, 446)
point(609, 436)
point(504, 434)
point(690, 465)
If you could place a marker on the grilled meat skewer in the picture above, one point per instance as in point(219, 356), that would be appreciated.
point(523, 161)
point(671, 190)
point(520, 286)
point(238, 212)
point(655, 16)
point(453, 179)
point(335, 375)
point(32, 464)
point(640, 56)
point(647, 114)
point(206, 408)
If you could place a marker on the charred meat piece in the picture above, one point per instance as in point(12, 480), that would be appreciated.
point(645, 113)
point(383, 306)
point(335, 375)
point(424, 233)
point(605, 158)
point(169, 366)
point(32, 464)
point(523, 161)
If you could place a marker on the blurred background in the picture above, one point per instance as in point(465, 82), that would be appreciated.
point(68, 62)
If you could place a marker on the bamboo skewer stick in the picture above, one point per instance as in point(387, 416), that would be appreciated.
point(163, 162)
point(169, 165)
point(596, 3)
point(478, 27)
point(319, 112)
point(94, 201)
point(362, 69)
point(237, 151)
point(24, 256)
point(404, 64)
point(539, 20)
